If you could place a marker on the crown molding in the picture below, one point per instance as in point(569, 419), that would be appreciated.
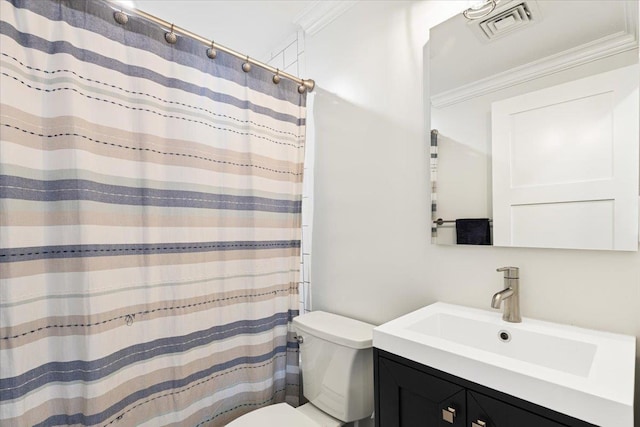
point(610, 45)
point(321, 13)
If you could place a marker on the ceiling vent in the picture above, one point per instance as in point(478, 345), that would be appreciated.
point(513, 16)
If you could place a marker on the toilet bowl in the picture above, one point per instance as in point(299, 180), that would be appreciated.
point(337, 375)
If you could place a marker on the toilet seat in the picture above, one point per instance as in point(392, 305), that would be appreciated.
point(279, 415)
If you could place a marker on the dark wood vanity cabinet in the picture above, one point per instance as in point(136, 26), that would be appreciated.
point(408, 394)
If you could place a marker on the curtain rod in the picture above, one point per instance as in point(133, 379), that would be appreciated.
point(305, 84)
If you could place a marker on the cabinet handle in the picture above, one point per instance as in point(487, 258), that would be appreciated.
point(479, 423)
point(449, 414)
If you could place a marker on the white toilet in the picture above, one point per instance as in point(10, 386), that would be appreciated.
point(337, 375)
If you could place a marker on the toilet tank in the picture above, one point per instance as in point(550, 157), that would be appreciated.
point(336, 364)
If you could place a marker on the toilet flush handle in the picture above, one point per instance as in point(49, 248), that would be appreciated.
point(300, 339)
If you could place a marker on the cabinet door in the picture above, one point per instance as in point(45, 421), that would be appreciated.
point(495, 413)
point(409, 398)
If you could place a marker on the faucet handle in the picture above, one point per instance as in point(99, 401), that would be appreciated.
point(509, 272)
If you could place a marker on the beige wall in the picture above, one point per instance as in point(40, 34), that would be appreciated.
point(372, 259)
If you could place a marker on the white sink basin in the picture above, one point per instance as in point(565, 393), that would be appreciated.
point(559, 353)
point(579, 372)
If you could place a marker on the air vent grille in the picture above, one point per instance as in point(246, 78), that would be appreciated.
point(507, 21)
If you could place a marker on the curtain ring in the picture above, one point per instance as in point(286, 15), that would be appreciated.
point(211, 52)
point(121, 17)
point(246, 67)
point(170, 37)
point(276, 78)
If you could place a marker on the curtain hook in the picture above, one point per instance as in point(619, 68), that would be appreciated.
point(246, 67)
point(211, 52)
point(276, 78)
point(121, 17)
point(170, 37)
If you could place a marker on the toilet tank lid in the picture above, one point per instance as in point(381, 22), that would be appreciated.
point(335, 328)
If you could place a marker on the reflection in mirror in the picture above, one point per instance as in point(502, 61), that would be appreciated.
point(556, 53)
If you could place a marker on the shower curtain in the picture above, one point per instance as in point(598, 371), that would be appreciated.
point(150, 224)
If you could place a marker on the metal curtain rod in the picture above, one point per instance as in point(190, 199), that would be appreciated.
point(305, 84)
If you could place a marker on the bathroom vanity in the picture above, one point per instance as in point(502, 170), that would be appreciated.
point(411, 394)
point(447, 365)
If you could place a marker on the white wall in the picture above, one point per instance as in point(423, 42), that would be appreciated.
point(372, 256)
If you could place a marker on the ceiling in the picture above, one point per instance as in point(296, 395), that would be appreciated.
point(252, 27)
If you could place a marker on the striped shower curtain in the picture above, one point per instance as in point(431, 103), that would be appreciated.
point(150, 224)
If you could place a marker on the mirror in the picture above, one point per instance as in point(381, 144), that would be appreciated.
point(508, 114)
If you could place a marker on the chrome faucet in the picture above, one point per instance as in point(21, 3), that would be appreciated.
point(510, 295)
